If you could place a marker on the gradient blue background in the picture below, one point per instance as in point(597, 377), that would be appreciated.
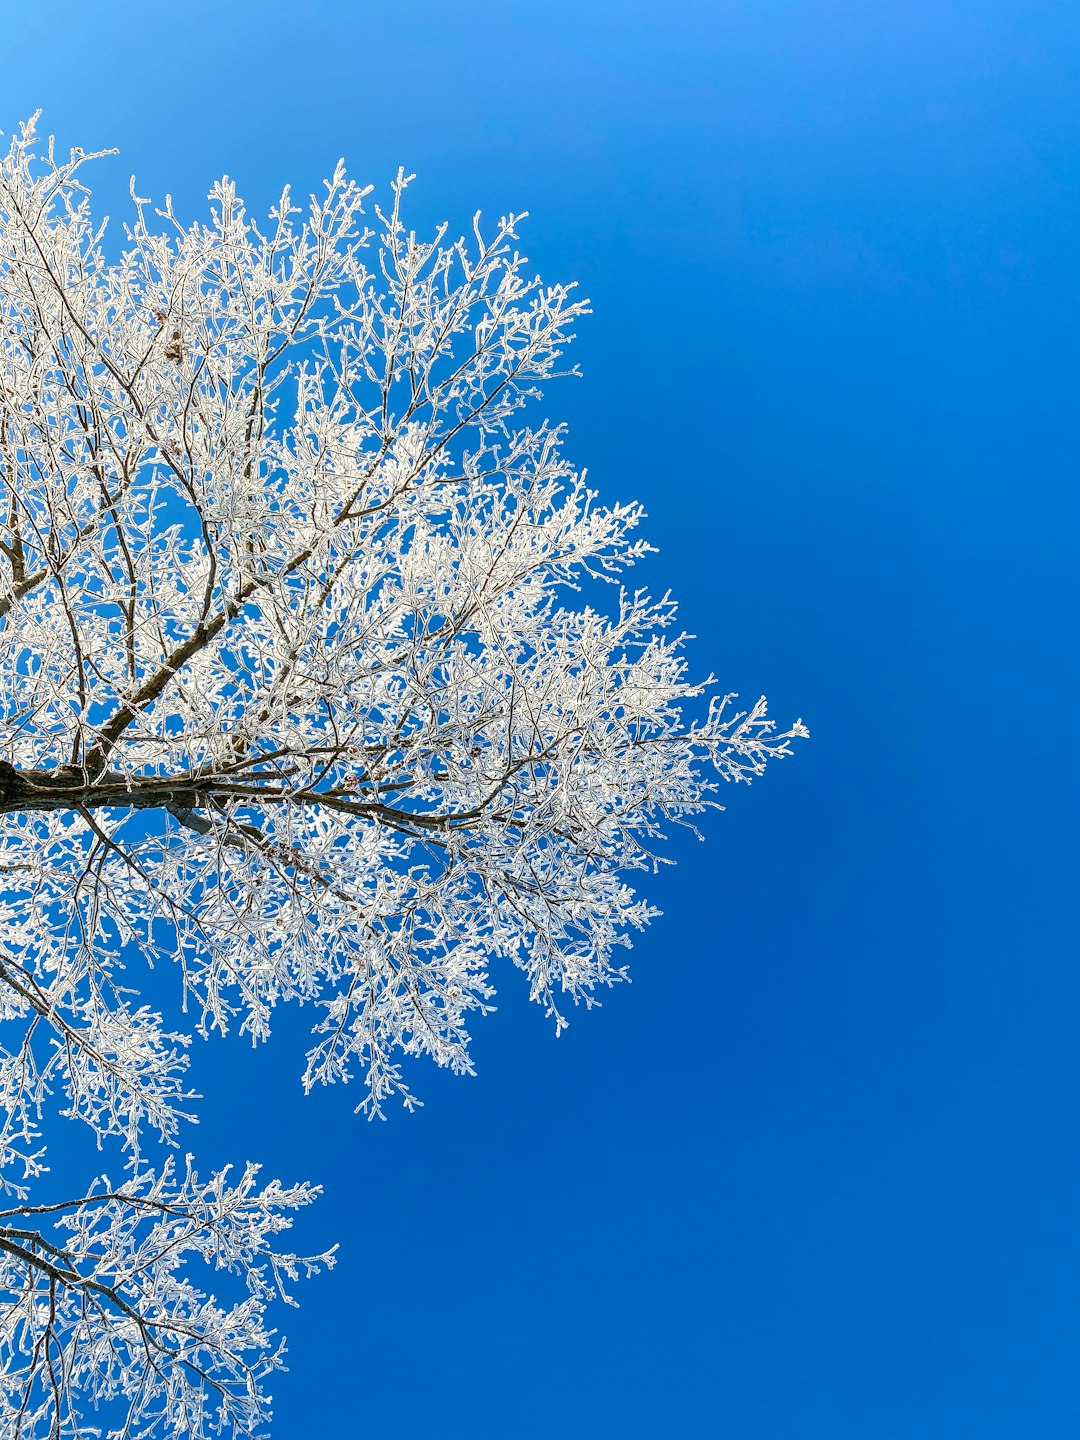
point(815, 1174)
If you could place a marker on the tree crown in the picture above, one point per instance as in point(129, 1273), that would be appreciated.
point(306, 688)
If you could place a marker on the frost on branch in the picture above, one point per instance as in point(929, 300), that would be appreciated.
point(103, 1314)
point(321, 679)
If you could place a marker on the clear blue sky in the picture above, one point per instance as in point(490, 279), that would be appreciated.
point(815, 1175)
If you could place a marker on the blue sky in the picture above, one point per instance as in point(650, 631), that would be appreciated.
point(815, 1173)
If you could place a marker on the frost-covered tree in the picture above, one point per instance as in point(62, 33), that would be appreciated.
point(306, 693)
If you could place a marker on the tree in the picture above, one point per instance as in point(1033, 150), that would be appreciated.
point(308, 692)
